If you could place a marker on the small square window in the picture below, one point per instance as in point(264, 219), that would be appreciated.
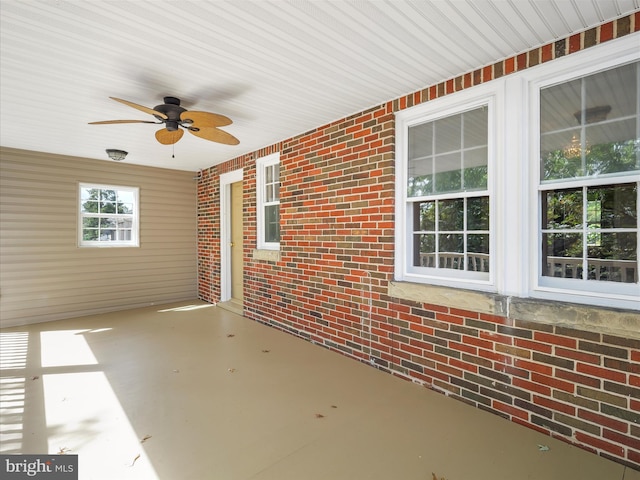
point(108, 216)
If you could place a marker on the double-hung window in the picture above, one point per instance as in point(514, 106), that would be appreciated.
point(589, 183)
point(528, 185)
point(268, 202)
point(108, 216)
point(444, 199)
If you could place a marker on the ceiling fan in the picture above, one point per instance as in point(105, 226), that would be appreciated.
point(173, 116)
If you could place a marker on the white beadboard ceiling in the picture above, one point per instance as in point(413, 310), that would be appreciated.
point(278, 68)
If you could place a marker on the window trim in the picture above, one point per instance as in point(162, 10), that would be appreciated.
point(596, 59)
point(135, 224)
point(261, 164)
point(466, 100)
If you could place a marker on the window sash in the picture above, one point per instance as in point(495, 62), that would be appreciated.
point(448, 154)
point(471, 251)
point(575, 246)
point(589, 125)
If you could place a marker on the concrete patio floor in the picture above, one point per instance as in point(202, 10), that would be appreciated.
point(192, 391)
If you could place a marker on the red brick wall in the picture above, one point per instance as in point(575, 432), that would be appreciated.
point(330, 284)
point(208, 235)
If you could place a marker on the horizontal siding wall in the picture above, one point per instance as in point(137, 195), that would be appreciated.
point(45, 276)
point(333, 283)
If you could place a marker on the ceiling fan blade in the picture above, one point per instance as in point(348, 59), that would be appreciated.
point(216, 135)
point(150, 111)
point(167, 137)
point(205, 119)
point(121, 121)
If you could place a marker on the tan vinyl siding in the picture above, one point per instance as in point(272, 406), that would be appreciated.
point(45, 275)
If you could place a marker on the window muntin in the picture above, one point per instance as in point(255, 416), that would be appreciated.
point(268, 191)
point(108, 216)
point(447, 196)
point(590, 166)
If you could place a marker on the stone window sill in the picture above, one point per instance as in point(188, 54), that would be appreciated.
point(624, 323)
point(268, 255)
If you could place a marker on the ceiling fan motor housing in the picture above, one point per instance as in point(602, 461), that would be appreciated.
point(172, 109)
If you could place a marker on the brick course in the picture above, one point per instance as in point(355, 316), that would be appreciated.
point(336, 260)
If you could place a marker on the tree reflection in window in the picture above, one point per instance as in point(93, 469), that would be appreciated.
point(601, 239)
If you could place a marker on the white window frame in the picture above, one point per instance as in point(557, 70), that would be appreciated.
point(261, 164)
point(135, 222)
point(484, 95)
point(514, 180)
point(596, 59)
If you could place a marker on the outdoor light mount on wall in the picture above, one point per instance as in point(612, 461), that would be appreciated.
point(117, 155)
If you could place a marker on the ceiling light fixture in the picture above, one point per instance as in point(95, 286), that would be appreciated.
point(117, 155)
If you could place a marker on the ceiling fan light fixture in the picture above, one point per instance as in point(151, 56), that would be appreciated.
point(117, 155)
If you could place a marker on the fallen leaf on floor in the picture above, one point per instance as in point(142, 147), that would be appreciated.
point(35, 378)
point(146, 437)
point(134, 460)
point(334, 406)
point(63, 451)
point(266, 351)
point(230, 335)
point(543, 448)
point(231, 370)
point(319, 415)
